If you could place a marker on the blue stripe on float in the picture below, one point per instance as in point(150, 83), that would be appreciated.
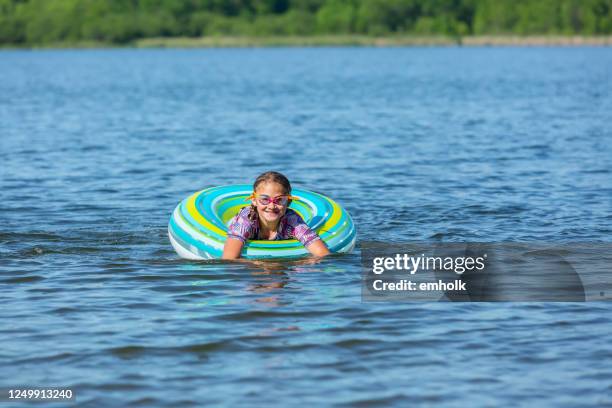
point(344, 242)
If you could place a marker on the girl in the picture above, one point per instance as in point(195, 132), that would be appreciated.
point(269, 218)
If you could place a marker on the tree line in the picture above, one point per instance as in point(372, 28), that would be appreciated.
point(34, 22)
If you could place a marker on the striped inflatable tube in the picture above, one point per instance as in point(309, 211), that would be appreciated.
point(198, 226)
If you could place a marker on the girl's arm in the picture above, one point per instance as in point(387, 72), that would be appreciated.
point(232, 248)
point(238, 232)
point(309, 238)
point(318, 248)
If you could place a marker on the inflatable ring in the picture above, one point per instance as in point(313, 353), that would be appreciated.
point(198, 226)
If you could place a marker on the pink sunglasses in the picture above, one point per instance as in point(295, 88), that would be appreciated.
point(263, 199)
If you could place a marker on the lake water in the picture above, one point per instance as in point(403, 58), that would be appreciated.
point(419, 144)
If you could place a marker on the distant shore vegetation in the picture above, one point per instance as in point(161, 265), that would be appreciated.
point(26, 23)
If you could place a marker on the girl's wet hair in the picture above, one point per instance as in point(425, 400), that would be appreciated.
point(269, 177)
point(274, 177)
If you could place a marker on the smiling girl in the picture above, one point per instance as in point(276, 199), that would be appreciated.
point(269, 218)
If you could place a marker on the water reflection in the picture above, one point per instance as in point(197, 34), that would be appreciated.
point(260, 281)
point(271, 275)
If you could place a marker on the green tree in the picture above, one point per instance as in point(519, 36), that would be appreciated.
point(335, 16)
point(121, 21)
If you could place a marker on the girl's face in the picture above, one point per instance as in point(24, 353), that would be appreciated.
point(273, 211)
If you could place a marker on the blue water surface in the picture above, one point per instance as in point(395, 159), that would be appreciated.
point(419, 144)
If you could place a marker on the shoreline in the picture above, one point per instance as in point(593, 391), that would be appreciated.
point(331, 41)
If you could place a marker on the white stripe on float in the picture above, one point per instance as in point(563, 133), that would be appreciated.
point(182, 252)
point(195, 234)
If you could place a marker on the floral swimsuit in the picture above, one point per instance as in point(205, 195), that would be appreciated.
point(291, 226)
